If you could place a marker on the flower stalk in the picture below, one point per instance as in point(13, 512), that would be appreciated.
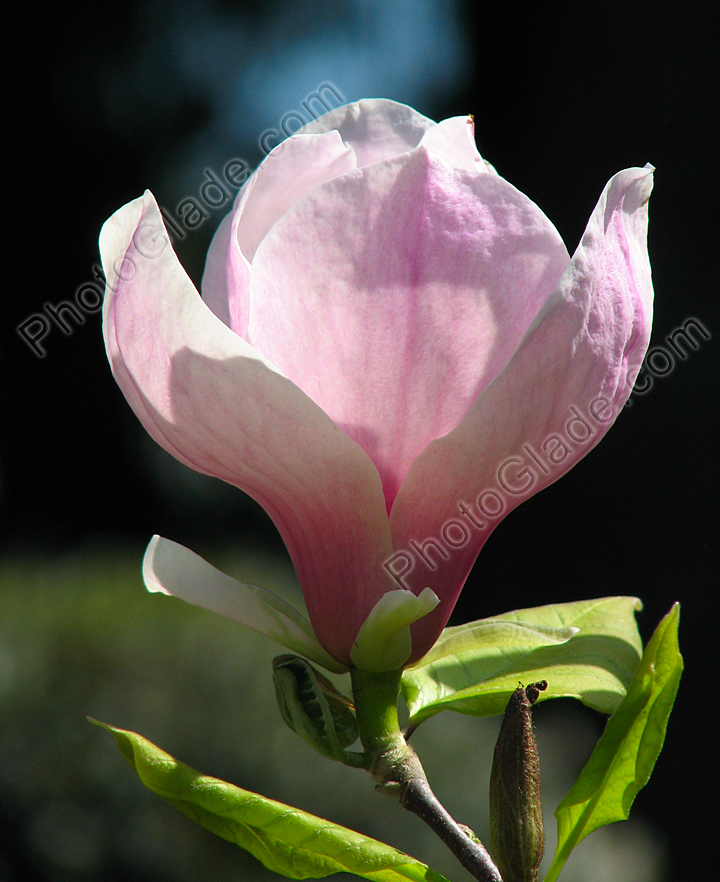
point(399, 772)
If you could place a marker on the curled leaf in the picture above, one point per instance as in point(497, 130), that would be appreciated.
point(315, 710)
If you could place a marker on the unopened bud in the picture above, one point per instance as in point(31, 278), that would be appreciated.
point(517, 837)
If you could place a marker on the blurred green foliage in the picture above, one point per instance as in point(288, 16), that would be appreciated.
point(80, 636)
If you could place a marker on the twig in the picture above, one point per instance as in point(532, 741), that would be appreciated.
point(417, 797)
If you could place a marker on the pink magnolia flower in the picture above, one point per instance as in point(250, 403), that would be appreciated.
point(388, 333)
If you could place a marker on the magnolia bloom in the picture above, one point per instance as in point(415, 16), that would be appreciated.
point(390, 350)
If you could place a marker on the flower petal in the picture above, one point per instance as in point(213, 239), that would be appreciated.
point(375, 128)
point(120, 271)
point(169, 568)
point(217, 405)
point(554, 401)
point(425, 277)
point(454, 141)
point(214, 285)
point(383, 642)
point(286, 174)
point(291, 170)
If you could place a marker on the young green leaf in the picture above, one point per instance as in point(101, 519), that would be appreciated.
point(587, 649)
point(314, 709)
point(285, 839)
point(624, 757)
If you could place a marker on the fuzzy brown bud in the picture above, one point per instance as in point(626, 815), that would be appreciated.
point(517, 837)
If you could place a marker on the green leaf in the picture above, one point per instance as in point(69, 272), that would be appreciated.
point(285, 839)
point(621, 763)
point(587, 650)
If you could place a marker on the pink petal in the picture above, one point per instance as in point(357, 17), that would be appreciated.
point(217, 405)
point(375, 128)
point(394, 294)
point(291, 170)
point(577, 362)
point(214, 284)
point(454, 141)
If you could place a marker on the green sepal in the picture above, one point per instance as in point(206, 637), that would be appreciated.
point(315, 710)
point(586, 649)
point(284, 839)
point(624, 757)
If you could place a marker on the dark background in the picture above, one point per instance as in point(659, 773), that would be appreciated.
point(109, 100)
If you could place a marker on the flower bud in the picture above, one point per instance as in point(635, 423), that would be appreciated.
point(313, 708)
point(516, 827)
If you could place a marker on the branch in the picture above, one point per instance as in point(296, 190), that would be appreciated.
point(417, 797)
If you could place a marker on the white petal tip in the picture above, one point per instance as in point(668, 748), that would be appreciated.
point(150, 579)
